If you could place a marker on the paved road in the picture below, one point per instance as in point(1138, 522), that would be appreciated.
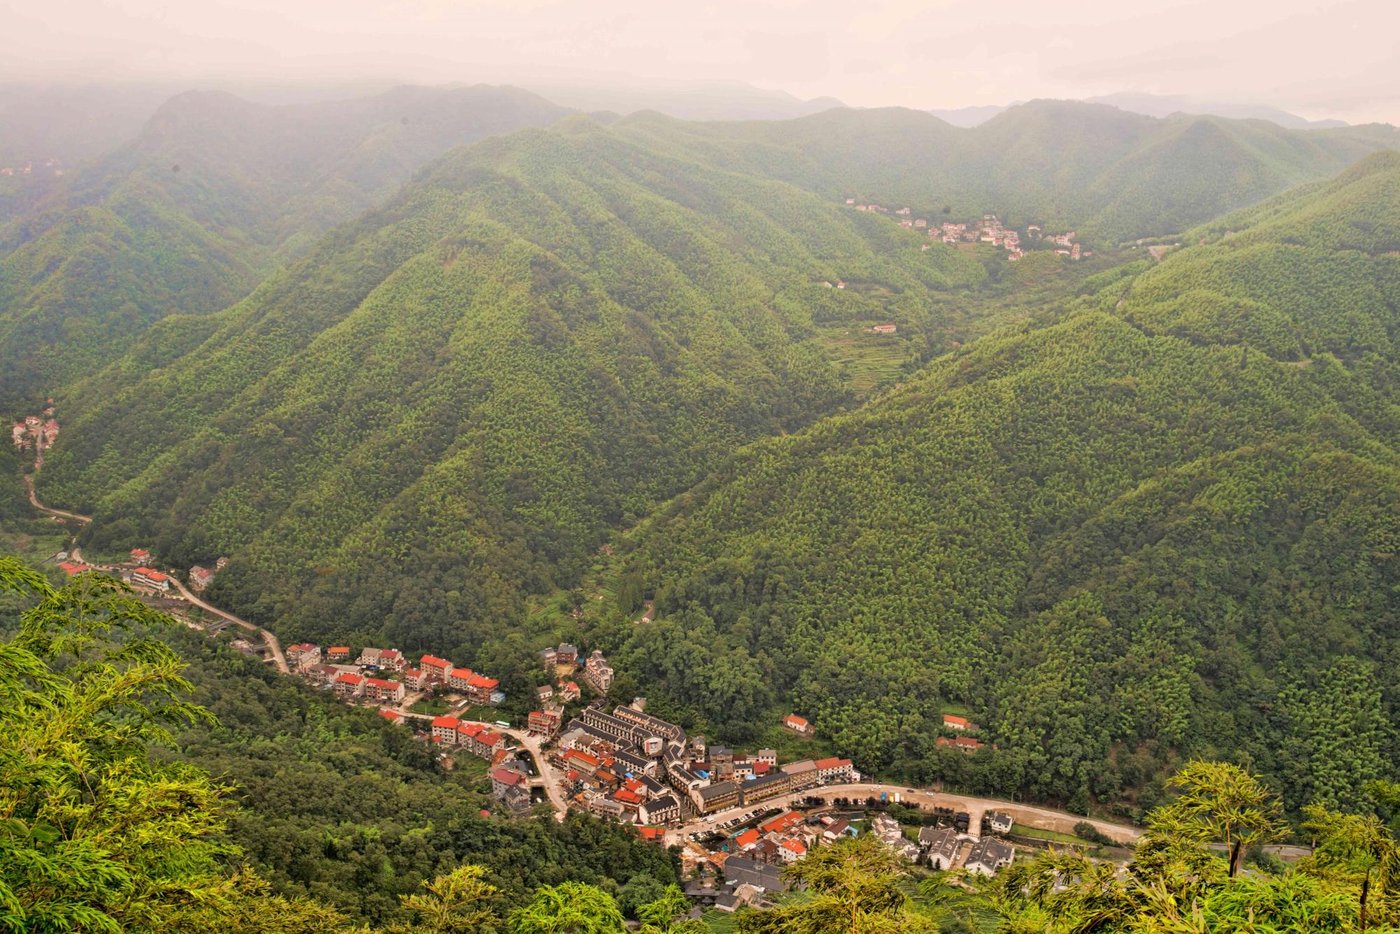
point(61, 513)
point(274, 647)
point(548, 779)
point(1028, 815)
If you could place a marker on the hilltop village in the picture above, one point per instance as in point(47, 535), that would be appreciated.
point(988, 230)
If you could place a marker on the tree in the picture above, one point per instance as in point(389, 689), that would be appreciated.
point(853, 887)
point(568, 908)
point(660, 915)
point(1359, 850)
point(457, 902)
point(94, 835)
point(1219, 802)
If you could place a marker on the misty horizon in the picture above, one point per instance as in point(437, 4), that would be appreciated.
point(1318, 60)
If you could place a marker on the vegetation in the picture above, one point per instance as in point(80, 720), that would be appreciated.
point(207, 199)
point(1116, 545)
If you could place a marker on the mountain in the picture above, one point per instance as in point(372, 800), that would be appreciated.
point(686, 100)
point(968, 117)
point(446, 404)
point(1163, 524)
point(213, 194)
point(1111, 175)
point(1165, 105)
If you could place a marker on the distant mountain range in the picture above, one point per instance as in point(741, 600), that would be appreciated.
point(1156, 105)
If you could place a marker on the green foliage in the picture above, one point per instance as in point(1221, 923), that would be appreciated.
point(568, 908)
point(94, 835)
point(1114, 545)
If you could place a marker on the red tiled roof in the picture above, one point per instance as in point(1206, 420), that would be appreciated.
point(652, 833)
point(489, 738)
point(471, 729)
point(795, 720)
point(831, 762)
point(349, 677)
point(432, 661)
point(628, 797)
point(506, 776)
point(72, 568)
point(748, 836)
point(445, 722)
point(481, 681)
point(382, 683)
point(340, 649)
point(797, 846)
point(391, 715)
point(954, 720)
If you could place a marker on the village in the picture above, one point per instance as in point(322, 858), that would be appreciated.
point(988, 230)
point(46, 167)
point(738, 817)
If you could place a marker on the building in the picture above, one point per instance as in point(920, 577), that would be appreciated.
point(940, 845)
point(512, 788)
point(662, 810)
point(338, 653)
point(303, 655)
point(445, 729)
point(384, 691)
point(348, 684)
point(150, 577)
point(803, 774)
point(653, 725)
point(766, 787)
point(597, 673)
point(569, 692)
point(791, 850)
point(200, 578)
point(715, 797)
point(566, 654)
point(797, 724)
point(998, 822)
point(964, 744)
point(72, 568)
point(392, 659)
point(543, 722)
point(961, 724)
point(140, 556)
point(435, 670)
point(836, 771)
point(989, 856)
point(414, 679)
point(883, 328)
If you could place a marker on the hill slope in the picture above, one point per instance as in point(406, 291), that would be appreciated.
point(447, 403)
point(1167, 524)
point(204, 202)
point(1113, 175)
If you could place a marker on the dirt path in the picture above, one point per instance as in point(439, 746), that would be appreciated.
point(59, 513)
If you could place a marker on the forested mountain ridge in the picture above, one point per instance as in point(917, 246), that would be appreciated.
point(538, 339)
point(1165, 524)
point(1113, 175)
point(203, 203)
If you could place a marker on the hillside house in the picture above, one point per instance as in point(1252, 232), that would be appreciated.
point(303, 655)
point(998, 822)
point(882, 329)
point(140, 556)
point(961, 724)
point(150, 578)
point(338, 653)
point(797, 724)
point(940, 845)
point(833, 770)
point(543, 722)
point(662, 810)
point(597, 673)
point(200, 578)
point(384, 691)
point(348, 684)
point(989, 856)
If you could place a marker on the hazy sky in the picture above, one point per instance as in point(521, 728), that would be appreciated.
point(1319, 58)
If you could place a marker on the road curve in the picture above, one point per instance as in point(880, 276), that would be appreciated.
point(273, 646)
point(60, 513)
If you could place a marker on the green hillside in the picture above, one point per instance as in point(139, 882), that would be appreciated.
point(1164, 524)
point(1111, 174)
point(447, 404)
point(212, 194)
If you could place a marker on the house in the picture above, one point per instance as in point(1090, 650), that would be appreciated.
point(715, 797)
point(371, 656)
point(72, 568)
point(989, 855)
point(392, 659)
point(200, 577)
point(741, 870)
point(435, 670)
point(834, 771)
point(837, 829)
point(961, 724)
point(338, 653)
point(660, 810)
point(746, 840)
point(414, 679)
point(998, 822)
point(150, 577)
point(797, 724)
point(482, 690)
point(140, 556)
point(882, 329)
point(486, 743)
point(511, 788)
point(303, 655)
point(543, 722)
point(544, 693)
point(783, 823)
point(964, 744)
point(445, 729)
point(393, 716)
point(348, 684)
point(768, 786)
point(569, 692)
point(566, 654)
point(384, 691)
point(791, 850)
point(803, 774)
point(768, 757)
point(940, 845)
point(597, 673)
